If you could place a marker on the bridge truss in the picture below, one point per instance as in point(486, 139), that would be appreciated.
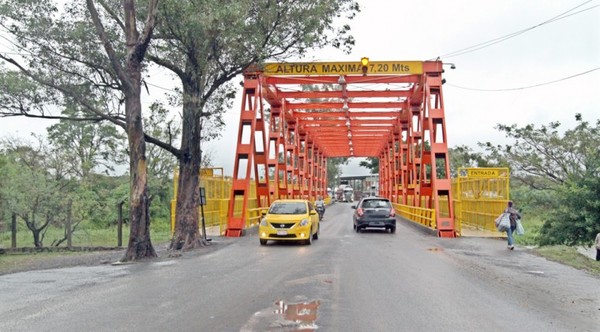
point(296, 115)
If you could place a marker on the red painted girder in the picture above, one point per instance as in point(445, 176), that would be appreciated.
point(351, 114)
point(344, 94)
point(338, 105)
point(270, 94)
point(353, 122)
point(276, 80)
point(332, 128)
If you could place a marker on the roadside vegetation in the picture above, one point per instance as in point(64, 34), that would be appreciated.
point(90, 62)
point(555, 182)
point(64, 185)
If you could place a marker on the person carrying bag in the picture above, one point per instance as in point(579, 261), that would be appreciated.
point(509, 222)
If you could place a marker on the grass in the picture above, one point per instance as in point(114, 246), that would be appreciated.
point(561, 254)
point(569, 256)
point(532, 229)
point(82, 237)
point(19, 261)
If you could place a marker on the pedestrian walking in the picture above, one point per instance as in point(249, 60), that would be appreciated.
point(513, 215)
point(598, 246)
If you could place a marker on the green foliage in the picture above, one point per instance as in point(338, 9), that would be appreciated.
point(532, 222)
point(34, 189)
point(464, 156)
point(29, 189)
point(62, 57)
point(576, 217)
point(371, 163)
point(542, 157)
point(87, 235)
point(208, 43)
point(334, 170)
point(558, 177)
point(86, 145)
point(569, 256)
point(161, 125)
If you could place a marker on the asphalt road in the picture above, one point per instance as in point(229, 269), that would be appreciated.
point(345, 281)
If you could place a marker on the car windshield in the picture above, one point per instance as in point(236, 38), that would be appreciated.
point(375, 203)
point(288, 208)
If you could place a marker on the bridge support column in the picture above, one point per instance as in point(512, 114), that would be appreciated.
point(250, 154)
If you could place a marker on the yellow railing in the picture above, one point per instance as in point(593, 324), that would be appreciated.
point(479, 196)
point(217, 189)
point(425, 217)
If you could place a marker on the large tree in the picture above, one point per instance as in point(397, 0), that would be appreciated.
point(207, 43)
point(544, 157)
point(86, 145)
point(562, 169)
point(76, 55)
point(33, 189)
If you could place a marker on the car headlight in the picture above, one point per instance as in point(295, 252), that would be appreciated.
point(263, 222)
point(304, 222)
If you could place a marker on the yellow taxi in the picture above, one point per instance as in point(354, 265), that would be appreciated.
point(289, 220)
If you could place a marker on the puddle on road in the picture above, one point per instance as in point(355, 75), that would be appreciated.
point(288, 317)
point(297, 317)
point(304, 315)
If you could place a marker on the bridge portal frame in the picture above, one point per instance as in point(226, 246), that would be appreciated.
point(393, 111)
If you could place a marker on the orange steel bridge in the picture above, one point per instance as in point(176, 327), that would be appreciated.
point(296, 115)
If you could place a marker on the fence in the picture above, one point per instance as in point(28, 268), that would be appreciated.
point(217, 188)
point(479, 195)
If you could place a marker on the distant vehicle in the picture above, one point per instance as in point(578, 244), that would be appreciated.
point(374, 212)
point(348, 194)
point(289, 220)
point(339, 194)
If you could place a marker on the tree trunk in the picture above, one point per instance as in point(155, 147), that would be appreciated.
point(36, 238)
point(13, 230)
point(139, 245)
point(187, 234)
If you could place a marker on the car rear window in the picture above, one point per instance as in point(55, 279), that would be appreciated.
point(375, 203)
point(288, 208)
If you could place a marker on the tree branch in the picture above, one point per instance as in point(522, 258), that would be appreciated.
point(146, 36)
point(168, 147)
point(108, 46)
point(64, 90)
point(112, 14)
point(170, 66)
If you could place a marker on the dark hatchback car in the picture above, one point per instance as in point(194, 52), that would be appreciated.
point(374, 212)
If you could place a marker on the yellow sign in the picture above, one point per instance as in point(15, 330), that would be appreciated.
point(342, 68)
point(483, 173)
point(206, 172)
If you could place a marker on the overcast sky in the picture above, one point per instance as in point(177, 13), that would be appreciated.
point(426, 29)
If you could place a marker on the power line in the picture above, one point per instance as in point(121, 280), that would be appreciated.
point(497, 40)
point(160, 87)
point(525, 87)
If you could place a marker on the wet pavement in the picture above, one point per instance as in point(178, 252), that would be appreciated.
point(345, 281)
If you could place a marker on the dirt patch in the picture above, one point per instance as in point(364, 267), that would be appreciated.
point(21, 262)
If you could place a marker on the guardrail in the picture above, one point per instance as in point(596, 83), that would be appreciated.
point(477, 201)
point(423, 216)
